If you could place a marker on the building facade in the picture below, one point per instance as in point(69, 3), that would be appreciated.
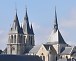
point(21, 42)
point(21, 38)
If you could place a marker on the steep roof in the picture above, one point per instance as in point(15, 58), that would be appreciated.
point(67, 50)
point(31, 30)
point(26, 27)
point(35, 49)
point(56, 36)
point(16, 26)
point(49, 47)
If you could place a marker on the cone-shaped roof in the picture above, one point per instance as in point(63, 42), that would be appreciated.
point(55, 22)
point(16, 26)
point(26, 27)
point(56, 36)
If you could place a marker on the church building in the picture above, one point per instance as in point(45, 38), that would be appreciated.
point(21, 38)
point(21, 41)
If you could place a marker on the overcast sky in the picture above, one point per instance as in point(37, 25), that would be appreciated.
point(41, 15)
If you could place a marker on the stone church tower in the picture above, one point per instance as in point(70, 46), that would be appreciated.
point(28, 33)
point(21, 38)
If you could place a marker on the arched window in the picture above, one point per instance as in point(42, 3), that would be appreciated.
point(56, 58)
point(43, 57)
point(61, 57)
point(29, 40)
point(25, 39)
point(14, 38)
point(66, 57)
point(11, 39)
point(20, 38)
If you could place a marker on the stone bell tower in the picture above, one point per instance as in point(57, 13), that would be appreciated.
point(16, 40)
point(28, 33)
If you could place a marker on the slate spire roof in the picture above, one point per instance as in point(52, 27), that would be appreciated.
point(32, 32)
point(16, 21)
point(16, 26)
point(55, 22)
point(56, 36)
point(26, 27)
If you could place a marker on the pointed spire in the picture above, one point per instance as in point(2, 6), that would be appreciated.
point(26, 27)
point(55, 22)
point(16, 26)
point(26, 16)
point(16, 17)
point(32, 32)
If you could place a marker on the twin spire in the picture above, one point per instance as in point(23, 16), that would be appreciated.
point(26, 28)
point(26, 16)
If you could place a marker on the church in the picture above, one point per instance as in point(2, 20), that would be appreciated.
point(21, 42)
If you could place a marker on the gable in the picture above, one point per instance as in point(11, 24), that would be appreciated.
point(42, 50)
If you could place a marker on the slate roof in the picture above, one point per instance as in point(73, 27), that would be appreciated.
point(19, 58)
point(16, 26)
point(61, 40)
point(26, 26)
point(49, 46)
point(56, 38)
point(67, 51)
point(31, 30)
point(35, 49)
